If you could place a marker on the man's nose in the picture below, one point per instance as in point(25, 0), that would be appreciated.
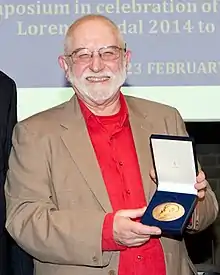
point(97, 63)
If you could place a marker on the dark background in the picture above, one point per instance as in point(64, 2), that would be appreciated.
point(204, 247)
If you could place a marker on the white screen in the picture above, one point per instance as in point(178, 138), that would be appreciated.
point(175, 51)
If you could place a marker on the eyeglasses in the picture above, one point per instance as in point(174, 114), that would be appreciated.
point(107, 53)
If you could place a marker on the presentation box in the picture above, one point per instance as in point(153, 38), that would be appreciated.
point(176, 168)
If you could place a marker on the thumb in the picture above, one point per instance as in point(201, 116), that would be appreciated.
point(152, 174)
point(132, 213)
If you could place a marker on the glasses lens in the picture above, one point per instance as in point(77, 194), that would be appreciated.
point(110, 53)
point(83, 56)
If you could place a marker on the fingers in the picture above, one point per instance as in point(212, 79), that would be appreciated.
point(132, 213)
point(200, 177)
point(137, 241)
point(201, 194)
point(132, 236)
point(131, 233)
point(201, 185)
point(143, 230)
point(135, 227)
point(152, 175)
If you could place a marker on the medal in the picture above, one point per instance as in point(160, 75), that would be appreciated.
point(168, 211)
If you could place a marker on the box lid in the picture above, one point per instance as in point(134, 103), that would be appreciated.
point(175, 163)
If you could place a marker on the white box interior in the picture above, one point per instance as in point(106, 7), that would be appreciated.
point(175, 165)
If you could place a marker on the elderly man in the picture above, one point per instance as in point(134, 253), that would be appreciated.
point(78, 178)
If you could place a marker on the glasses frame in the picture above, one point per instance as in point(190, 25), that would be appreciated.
point(98, 51)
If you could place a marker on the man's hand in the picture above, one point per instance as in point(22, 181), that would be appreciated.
point(130, 233)
point(200, 185)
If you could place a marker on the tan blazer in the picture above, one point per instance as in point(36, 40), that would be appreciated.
point(56, 197)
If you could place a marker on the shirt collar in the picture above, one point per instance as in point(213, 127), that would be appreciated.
point(123, 112)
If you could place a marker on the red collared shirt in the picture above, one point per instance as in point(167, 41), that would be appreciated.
point(113, 144)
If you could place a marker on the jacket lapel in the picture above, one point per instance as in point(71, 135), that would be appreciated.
point(141, 130)
point(77, 142)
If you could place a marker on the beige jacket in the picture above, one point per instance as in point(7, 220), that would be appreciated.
point(56, 197)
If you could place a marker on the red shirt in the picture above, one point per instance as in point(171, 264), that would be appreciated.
point(113, 144)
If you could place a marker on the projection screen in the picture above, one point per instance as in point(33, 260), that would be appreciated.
point(175, 51)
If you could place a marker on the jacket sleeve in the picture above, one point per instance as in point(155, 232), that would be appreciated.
point(11, 121)
point(206, 210)
point(34, 220)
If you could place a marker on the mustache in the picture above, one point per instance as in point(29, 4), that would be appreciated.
point(72, 78)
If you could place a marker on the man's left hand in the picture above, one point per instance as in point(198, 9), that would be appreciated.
point(201, 185)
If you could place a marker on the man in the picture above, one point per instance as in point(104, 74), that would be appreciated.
point(78, 179)
point(13, 260)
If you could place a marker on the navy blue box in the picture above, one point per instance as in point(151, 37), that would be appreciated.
point(176, 168)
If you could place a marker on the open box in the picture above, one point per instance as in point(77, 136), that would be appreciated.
point(176, 168)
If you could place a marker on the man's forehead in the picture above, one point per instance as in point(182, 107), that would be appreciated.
point(95, 28)
point(89, 37)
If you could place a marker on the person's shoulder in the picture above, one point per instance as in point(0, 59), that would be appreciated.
point(150, 107)
point(45, 122)
point(6, 79)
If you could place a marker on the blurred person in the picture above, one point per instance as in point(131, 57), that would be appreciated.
point(13, 260)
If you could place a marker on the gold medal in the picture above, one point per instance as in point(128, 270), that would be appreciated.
point(168, 211)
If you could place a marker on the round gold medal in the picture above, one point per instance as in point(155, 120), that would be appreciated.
point(168, 211)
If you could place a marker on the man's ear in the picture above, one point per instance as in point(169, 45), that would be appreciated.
point(63, 64)
point(128, 57)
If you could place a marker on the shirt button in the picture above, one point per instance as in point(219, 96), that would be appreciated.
point(128, 191)
point(120, 163)
point(139, 257)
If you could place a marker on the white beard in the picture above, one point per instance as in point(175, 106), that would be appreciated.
point(98, 93)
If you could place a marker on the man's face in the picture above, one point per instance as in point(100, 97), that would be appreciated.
point(95, 79)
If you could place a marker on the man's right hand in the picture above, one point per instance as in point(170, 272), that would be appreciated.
point(130, 233)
